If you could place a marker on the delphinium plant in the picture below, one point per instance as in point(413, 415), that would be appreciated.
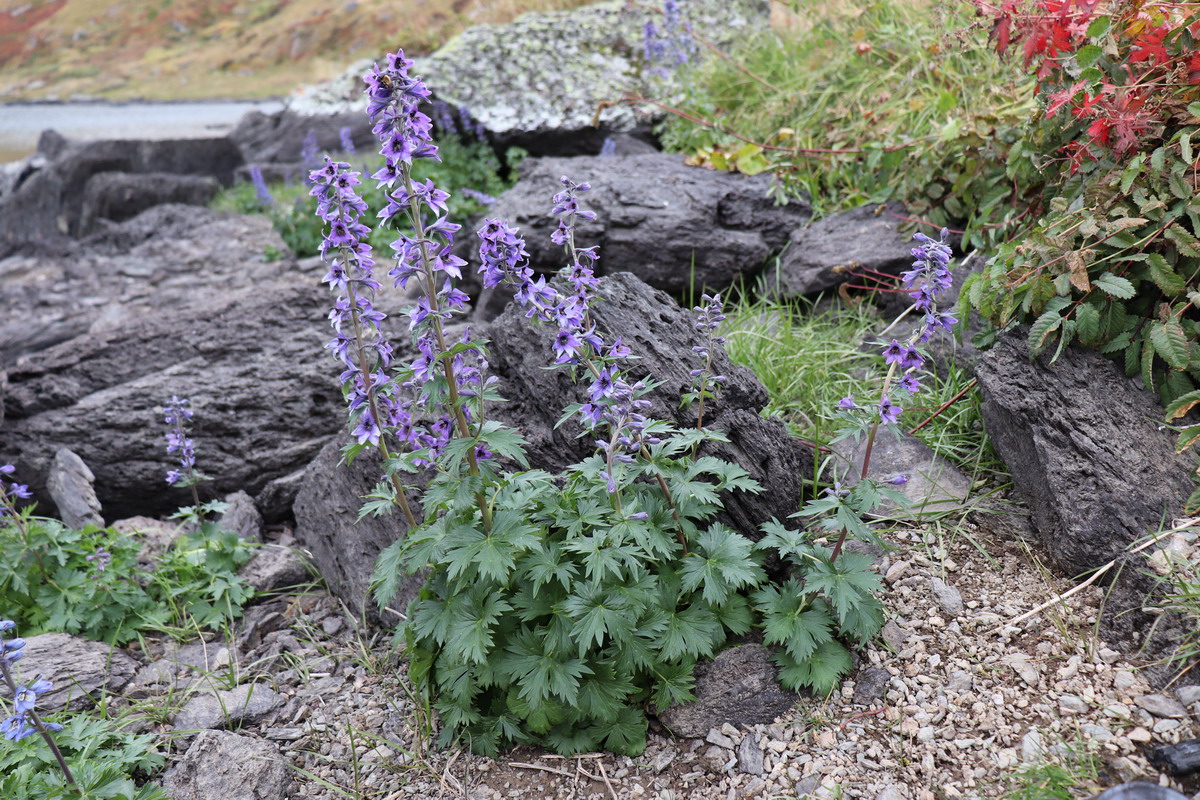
point(85, 757)
point(557, 609)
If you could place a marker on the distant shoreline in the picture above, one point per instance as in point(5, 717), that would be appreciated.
point(21, 123)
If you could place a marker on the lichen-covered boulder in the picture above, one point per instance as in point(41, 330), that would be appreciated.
point(544, 80)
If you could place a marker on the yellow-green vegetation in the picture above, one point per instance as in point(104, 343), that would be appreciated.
point(906, 95)
point(198, 49)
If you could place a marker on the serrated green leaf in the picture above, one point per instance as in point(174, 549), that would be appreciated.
point(1098, 27)
point(1115, 286)
point(1194, 109)
point(1182, 405)
point(1185, 147)
point(1087, 320)
point(821, 672)
point(1164, 277)
point(1147, 362)
point(1187, 438)
point(1042, 328)
point(1170, 343)
point(1185, 242)
point(1131, 171)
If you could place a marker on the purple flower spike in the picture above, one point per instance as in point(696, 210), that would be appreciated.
point(889, 413)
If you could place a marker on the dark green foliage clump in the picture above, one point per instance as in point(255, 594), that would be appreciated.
point(571, 618)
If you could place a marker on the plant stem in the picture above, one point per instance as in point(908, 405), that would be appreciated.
point(45, 734)
point(460, 418)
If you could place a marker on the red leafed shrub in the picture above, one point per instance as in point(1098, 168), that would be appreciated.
point(1123, 69)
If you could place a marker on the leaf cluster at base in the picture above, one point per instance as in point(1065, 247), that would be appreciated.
point(569, 619)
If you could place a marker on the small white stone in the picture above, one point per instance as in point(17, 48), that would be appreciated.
point(1139, 735)
point(1070, 704)
point(1124, 680)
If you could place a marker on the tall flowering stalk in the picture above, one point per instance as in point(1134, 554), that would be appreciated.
point(25, 721)
point(176, 414)
point(928, 279)
point(705, 383)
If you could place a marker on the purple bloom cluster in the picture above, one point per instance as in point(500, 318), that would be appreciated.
point(478, 196)
point(709, 317)
point(671, 44)
point(612, 401)
point(176, 413)
point(260, 186)
point(100, 559)
point(928, 278)
point(23, 721)
point(310, 148)
point(471, 125)
point(15, 491)
point(609, 148)
point(346, 140)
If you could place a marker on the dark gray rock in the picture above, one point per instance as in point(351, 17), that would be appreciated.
point(343, 550)
point(264, 396)
point(248, 703)
point(48, 203)
point(118, 196)
point(1177, 759)
point(277, 497)
point(657, 331)
point(242, 517)
point(825, 254)
point(676, 227)
point(70, 487)
point(871, 685)
point(278, 138)
point(661, 335)
point(750, 756)
point(737, 687)
point(1085, 448)
point(81, 670)
point(947, 597)
point(220, 765)
point(162, 262)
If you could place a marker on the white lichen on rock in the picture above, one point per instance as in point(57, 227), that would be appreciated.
point(551, 70)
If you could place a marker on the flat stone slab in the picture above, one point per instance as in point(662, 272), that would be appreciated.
point(222, 766)
point(80, 669)
point(249, 702)
point(934, 484)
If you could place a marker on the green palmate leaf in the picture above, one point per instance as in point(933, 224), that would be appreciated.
point(1164, 277)
point(847, 583)
point(624, 734)
point(691, 632)
point(722, 563)
point(1115, 286)
point(673, 684)
point(1170, 342)
point(820, 671)
point(792, 620)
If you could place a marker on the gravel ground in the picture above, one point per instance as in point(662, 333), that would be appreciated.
point(951, 702)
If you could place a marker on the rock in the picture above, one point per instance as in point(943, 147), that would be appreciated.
point(1140, 735)
point(657, 331)
point(81, 670)
point(1139, 790)
point(948, 599)
point(1032, 747)
point(260, 412)
point(1162, 706)
point(49, 203)
point(1024, 668)
point(69, 485)
point(960, 681)
point(248, 703)
point(344, 550)
point(271, 139)
point(826, 253)
point(118, 196)
point(1177, 759)
point(275, 566)
point(155, 535)
point(738, 687)
point(1085, 449)
point(893, 635)
point(242, 517)
point(676, 227)
point(889, 793)
point(871, 685)
point(661, 335)
point(1070, 704)
point(1188, 695)
point(164, 261)
point(805, 787)
point(933, 485)
point(220, 765)
point(750, 756)
point(719, 739)
point(548, 77)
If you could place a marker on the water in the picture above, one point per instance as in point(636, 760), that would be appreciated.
point(22, 123)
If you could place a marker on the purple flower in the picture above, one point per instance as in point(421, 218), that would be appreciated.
point(346, 139)
point(909, 383)
point(847, 403)
point(310, 149)
point(176, 413)
point(898, 480)
point(477, 196)
point(100, 559)
point(894, 352)
point(20, 724)
point(261, 192)
point(888, 412)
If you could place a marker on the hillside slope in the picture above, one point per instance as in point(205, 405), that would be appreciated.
point(203, 49)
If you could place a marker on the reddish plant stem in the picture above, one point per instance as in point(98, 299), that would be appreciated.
point(971, 384)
